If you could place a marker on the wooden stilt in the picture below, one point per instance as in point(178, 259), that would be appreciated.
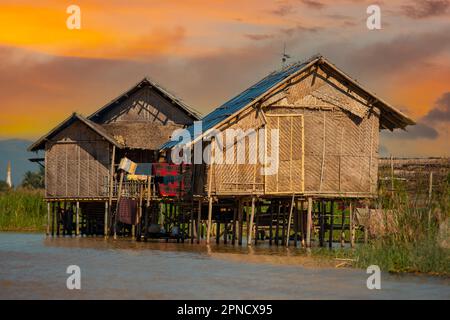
point(235, 211)
point(309, 223)
point(283, 226)
point(119, 194)
point(58, 217)
point(48, 218)
point(208, 232)
point(343, 227)
point(258, 214)
point(351, 225)
point(277, 227)
point(322, 210)
point(289, 221)
point(330, 239)
point(147, 207)
point(77, 219)
point(225, 231)
point(303, 218)
point(199, 225)
point(53, 206)
point(271, 223)
point(217, 230)
point(252, 215)
point(241, 227)
point(296, 224)
point(105, 227)
point(366, 227)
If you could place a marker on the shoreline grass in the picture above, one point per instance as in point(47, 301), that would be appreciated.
point(22, 210)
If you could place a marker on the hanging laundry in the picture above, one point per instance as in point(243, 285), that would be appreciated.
point(127, 211)
point(172, 180)
point(127, 165)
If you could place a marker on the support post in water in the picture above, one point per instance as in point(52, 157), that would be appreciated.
point(289, 221)
point(330, 239)
point(252, 215)
point(48, 218)
point(309, 223)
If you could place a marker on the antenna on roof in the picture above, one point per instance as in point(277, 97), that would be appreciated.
point(285, 56)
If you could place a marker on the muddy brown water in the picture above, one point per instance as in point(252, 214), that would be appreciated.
point(34, 267)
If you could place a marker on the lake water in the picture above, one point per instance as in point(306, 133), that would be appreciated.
point(34, 267)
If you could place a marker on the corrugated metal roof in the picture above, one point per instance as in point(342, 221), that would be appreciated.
point(391, 118)
point(243, 99)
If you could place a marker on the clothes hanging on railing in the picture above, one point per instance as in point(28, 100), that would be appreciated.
point(127, 211)
point(172, 180)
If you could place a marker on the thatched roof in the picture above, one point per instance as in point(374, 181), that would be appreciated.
point(140, 135)
point(40, 143)
point(146, 82)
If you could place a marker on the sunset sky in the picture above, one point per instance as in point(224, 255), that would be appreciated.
point(208, 51)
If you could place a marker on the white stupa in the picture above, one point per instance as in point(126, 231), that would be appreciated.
point(8, 175)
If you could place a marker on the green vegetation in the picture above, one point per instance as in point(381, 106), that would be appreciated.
point(22, 209)
point(415, 237)
point(33, 180)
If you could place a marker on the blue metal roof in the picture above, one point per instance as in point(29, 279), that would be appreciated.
point(241, 100)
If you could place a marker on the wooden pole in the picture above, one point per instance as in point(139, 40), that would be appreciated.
point(289, 221)
point(241, 227)
point(309, 223)
point(302, 223)
point(199, 225)
point(296, 223)
point(105, 227)
point(343, 228)
point(119, 194)
point(271, 223)
point(208, 232)
point(111, 184)
point(258, 214)
point(53, 218)
point(77, 219)
point(352, 226)
point(330, 239)
point(430, 197)
point(235, 210)
point(366, 227)
point(252, 215)
point(217, 230)
point(277, 227)
point(58, 216)
point(48, 219)
point(147, 208)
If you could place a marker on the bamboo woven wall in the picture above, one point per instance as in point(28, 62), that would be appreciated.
point(340, 130)
point(77, 160)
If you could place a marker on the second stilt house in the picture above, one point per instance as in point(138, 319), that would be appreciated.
point(328, 136)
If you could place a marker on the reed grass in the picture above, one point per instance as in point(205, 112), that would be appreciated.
point(22, 210)
point(413, 240)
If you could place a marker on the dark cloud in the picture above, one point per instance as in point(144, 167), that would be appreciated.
point(441, 110)
point(314, 4)
point(421, 9)
point(424, 129)
point(299, 29)
point(283, 10)
point(259, 37)
point(405, 51)
point(418, 131)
